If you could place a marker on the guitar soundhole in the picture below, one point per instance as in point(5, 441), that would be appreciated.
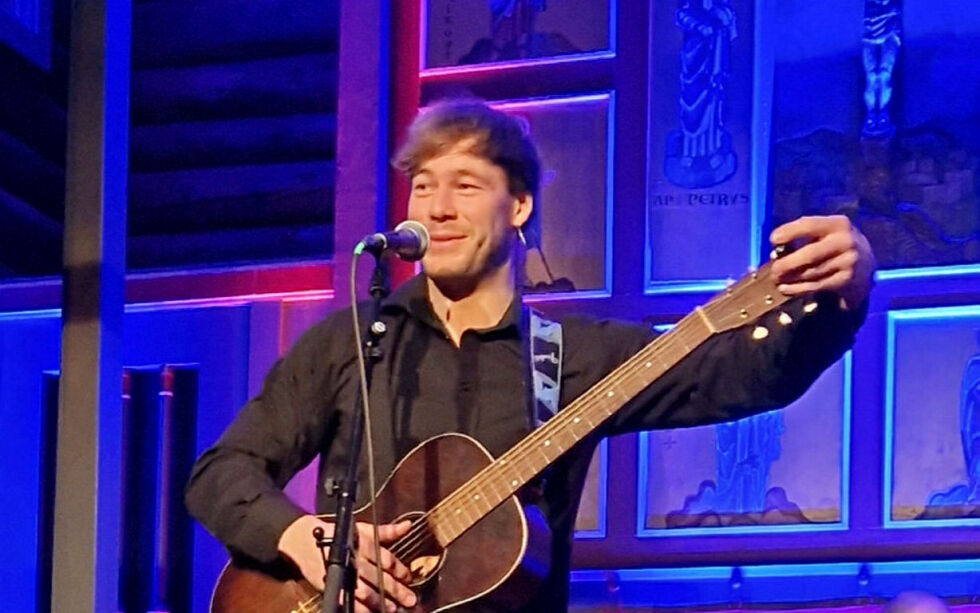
point(423, 568)
point(420, 552)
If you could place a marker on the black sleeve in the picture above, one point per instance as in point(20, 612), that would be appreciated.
point(732, 375)
point(235, 488)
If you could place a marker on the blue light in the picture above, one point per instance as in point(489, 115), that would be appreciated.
point(681, 287)
point(804, 570)
point(763, 70)
point(37, 314)
point(925, 566)
point(887, 478)
point(556, 296)
point(928, 272)
point(847, 394)
point(934, 313)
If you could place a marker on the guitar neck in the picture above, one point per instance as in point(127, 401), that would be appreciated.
point(737, 306)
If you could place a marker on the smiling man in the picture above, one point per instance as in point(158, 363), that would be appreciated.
point(457, 360)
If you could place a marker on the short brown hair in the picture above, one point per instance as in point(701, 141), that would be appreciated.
point(502, 139)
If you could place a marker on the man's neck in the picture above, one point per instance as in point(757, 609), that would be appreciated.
point(481, 307)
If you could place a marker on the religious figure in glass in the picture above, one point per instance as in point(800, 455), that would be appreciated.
point(740, 493)
point(699, 154)
point(963, 499)
point(513, 35)
point(745, 450)
point(880, 43)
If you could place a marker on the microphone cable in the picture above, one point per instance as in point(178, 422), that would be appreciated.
point(368, 432)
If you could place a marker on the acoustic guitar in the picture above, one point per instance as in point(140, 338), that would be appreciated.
point(470, 536)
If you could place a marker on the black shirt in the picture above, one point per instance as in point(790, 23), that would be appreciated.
point(425, 386)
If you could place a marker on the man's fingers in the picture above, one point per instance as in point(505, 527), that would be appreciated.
point(836, 257)
point(813, 254)
point(388, 561)
point(396, 593)
point(368, 597)
point(808, 227)
point(386, 532)
point(842, 261)
point(833, 282)
point(390, 532)
point(394, 587)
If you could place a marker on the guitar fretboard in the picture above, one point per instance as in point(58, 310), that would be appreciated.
point(738, 305)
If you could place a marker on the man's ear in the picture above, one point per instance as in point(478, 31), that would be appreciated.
point(522, 209)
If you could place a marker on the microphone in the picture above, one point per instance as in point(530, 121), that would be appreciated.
point(409, 240)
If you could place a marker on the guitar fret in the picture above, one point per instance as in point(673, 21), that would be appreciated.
point(512, 477)
point(479, 501)
point(543, 453)
point(497, 492)
point(444, 528)
point(462, 511)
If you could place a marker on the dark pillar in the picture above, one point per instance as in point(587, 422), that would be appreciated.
point(86, 516)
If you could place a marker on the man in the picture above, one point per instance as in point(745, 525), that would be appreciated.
point(455, 360)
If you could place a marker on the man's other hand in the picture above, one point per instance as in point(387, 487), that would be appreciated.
point(297, 544)
point(834, 256)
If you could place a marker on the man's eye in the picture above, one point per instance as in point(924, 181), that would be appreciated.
point(467, 186)
point(421, 187)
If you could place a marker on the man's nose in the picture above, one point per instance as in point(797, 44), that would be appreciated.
point(442, 204)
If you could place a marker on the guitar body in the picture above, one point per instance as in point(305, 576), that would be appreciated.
point(498, 551)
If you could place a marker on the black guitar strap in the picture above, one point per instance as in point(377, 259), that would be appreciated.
point(543, 339)
point(545, 345)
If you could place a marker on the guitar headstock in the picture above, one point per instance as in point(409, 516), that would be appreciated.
point(748, 299)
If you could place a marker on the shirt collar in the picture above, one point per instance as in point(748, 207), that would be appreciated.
point(412, 297)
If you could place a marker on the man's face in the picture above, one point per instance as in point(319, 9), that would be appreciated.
point(463, 200)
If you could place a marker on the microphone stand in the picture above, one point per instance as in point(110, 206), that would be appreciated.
point(338, 564)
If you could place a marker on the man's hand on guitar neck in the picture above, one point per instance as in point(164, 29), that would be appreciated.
point(297, 544)
point(834, 256)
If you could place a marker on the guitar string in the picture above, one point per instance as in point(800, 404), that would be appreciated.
point(418, 533)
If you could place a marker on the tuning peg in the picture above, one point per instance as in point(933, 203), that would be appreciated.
point(760, 332)
point(777, 252)
point(784, 318)
point(810, 307)
point(729, 283)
